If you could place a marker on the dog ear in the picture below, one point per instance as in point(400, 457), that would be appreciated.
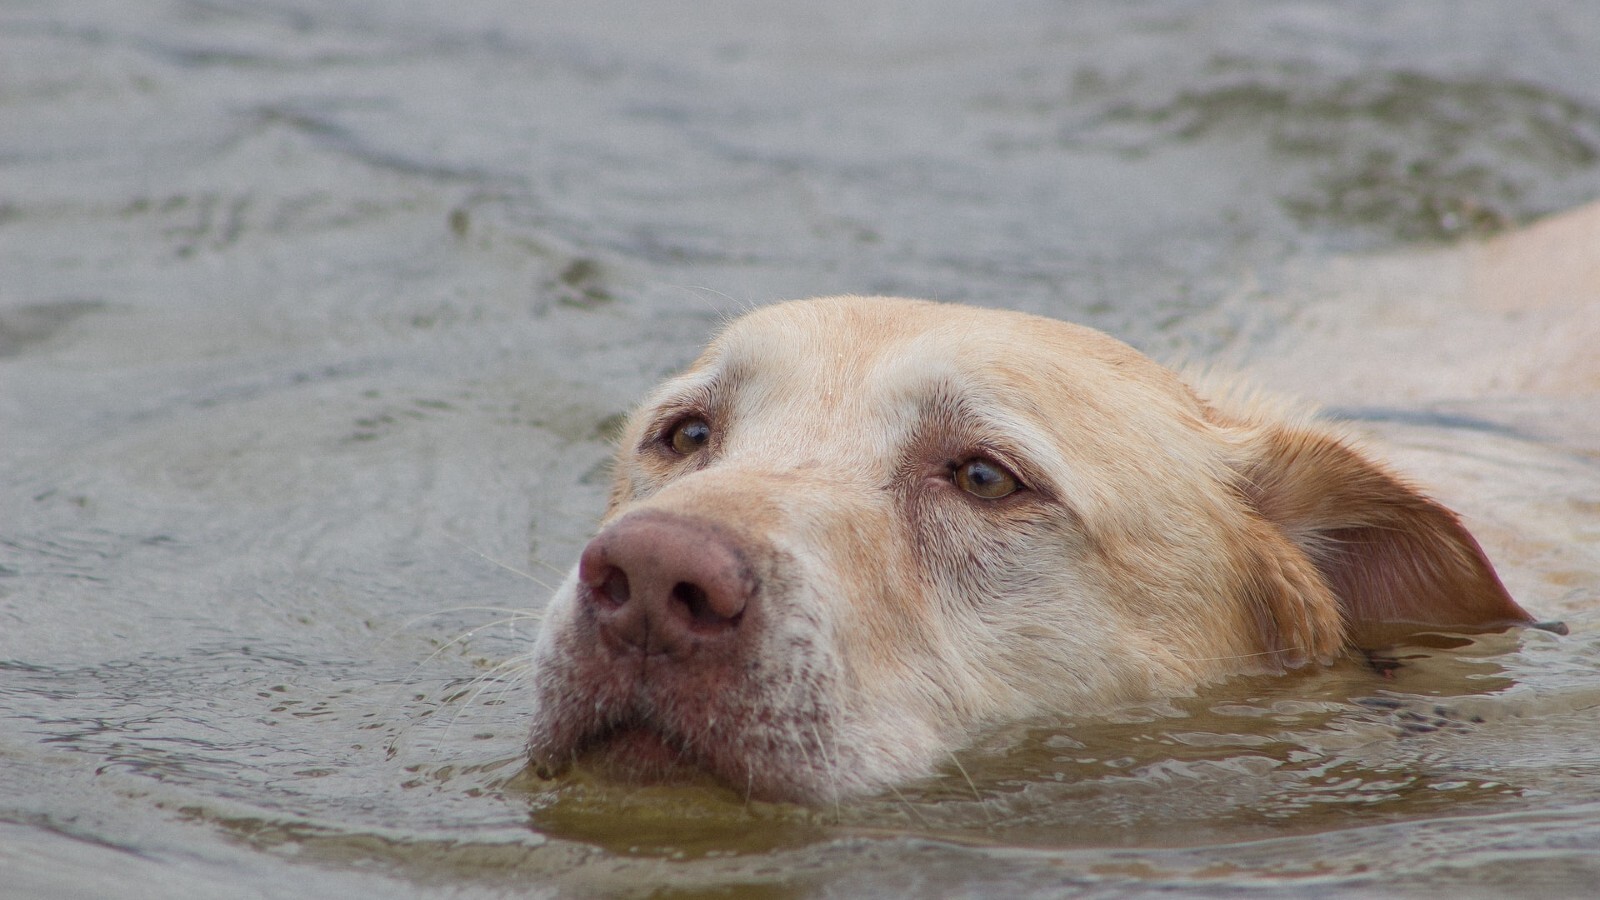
point(1395, 560)
point(1295, 616)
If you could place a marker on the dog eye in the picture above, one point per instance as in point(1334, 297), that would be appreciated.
point(985, 479)
point(689, 435)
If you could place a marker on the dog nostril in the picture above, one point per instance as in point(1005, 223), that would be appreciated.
point(615, 588)
point(702, 612)
point(693, 597)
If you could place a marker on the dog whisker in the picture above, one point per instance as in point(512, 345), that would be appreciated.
point(497, 563)
point(976, 794)
point(460, 639)
point(698, 292)
point(1241, 656)
point(496, 677)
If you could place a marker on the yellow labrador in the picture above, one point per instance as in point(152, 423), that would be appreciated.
point(857, 530)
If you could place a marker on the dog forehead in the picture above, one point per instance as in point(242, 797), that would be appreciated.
point(917, 350)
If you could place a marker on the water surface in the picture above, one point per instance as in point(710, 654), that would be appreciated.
point(314, 317)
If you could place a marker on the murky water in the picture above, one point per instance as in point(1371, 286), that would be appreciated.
point(314, 315)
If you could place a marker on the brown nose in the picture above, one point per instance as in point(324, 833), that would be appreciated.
point(665, 583)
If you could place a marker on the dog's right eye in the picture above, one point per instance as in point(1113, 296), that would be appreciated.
point(688, 436)
point(985, 479)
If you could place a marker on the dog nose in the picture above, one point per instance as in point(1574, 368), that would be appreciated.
point(665, 583)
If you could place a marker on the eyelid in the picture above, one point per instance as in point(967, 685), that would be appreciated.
point(666, 420)
point(999, 457)
point(691, 398)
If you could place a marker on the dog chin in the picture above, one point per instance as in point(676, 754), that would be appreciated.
point(639, 754)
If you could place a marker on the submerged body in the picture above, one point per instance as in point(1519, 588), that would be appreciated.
point(858, 530)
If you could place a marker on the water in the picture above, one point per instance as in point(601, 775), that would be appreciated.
point(313, 316)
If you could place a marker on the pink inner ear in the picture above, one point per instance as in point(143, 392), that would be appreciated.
point(1420, 569)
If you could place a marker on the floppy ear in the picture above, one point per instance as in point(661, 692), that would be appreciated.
point(1395, 560)
point(1296, 617)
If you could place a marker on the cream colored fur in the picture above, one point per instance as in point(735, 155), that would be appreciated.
point(1160, 539)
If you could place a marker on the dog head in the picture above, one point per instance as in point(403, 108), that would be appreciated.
point(858, 529)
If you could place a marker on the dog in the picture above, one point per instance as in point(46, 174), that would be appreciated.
point(859, 530)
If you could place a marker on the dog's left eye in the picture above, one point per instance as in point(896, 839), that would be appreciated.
point(985, 479)
point(689, 435)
